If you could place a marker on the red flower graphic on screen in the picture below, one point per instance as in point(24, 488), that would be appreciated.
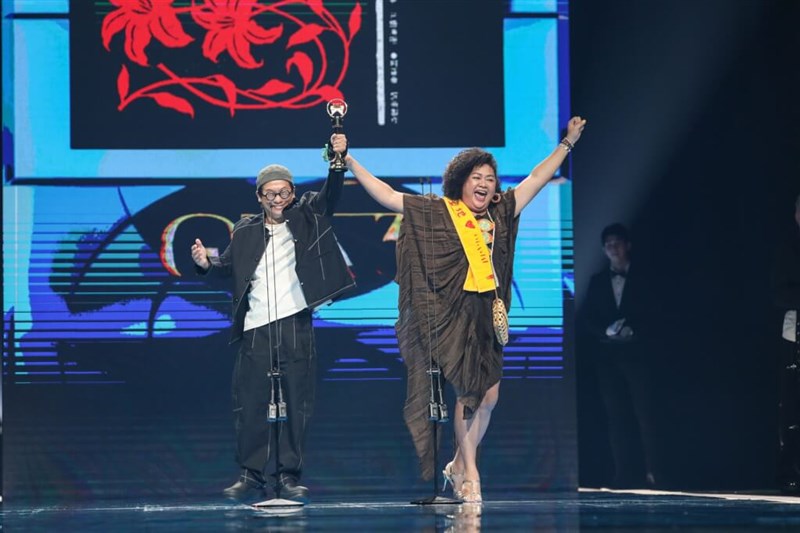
point(302, 43)
point(142, 20)
point(231, 27)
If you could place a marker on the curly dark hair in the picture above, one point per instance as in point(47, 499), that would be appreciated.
point(461, 166)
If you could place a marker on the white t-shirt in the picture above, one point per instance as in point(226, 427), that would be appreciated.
point(618, 286)
point(275, 290)
point(790, 325)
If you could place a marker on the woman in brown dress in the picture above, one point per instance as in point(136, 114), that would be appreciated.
point(445, 304)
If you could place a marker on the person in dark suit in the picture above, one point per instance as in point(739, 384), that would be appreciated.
point(786, 296)
point(617, 318)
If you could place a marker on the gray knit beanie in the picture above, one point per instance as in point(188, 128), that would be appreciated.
point(272, 173)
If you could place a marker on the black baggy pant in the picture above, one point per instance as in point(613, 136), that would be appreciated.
point(625, 383)
point(293, 338)
point(789, 412)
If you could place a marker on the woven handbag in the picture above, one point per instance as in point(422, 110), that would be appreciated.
point(500, 320)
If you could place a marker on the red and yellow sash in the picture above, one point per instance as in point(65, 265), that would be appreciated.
point(480, 277)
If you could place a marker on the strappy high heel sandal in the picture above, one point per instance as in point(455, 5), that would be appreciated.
point(470, 491)
point(451, 477)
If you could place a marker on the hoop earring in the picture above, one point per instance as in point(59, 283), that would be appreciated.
point(496, 198)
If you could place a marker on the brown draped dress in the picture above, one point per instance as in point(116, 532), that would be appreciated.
point(439, 319)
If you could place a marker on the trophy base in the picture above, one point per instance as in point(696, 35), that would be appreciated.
point(338, 166)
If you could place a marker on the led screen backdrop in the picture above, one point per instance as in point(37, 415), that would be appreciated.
point(111, 343)
point(187, 75)
point(42, 149)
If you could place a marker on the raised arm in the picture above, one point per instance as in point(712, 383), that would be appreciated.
point(380, 191)
point(205, 264)
point(200, 255)
point(324, 203)
point(543, 172)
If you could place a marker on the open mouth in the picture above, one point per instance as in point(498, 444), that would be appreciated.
point(481, 194)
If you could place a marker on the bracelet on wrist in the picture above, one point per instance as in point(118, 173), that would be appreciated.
point(568, 146)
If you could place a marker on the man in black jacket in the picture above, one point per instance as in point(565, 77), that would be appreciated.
point(285, 262)
point(786, 295)
point(617, 317)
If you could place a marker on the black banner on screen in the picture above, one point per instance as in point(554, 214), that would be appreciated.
point(257, 74)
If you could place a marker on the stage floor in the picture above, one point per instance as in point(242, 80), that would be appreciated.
point(585, 510)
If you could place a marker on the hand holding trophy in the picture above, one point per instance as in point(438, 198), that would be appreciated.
point(337, 109)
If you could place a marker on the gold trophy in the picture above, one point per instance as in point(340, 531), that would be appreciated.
point(337, 109)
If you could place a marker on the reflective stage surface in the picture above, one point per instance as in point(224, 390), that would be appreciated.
point(583, 511)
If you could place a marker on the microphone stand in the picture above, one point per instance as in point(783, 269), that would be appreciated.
point(336, 108)
point(437, 408)
point(276, 411)
point(437, 415)
point(277, 416)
